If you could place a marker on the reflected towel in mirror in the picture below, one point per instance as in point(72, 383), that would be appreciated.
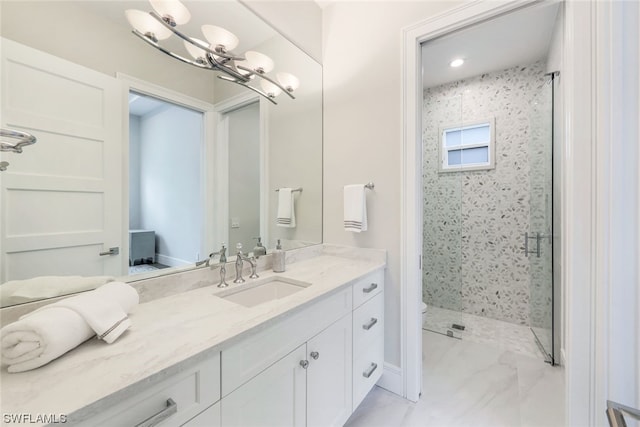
point(286, 210)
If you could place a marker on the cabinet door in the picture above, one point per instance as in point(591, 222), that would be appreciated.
point(329, 375)
point(207, 418)
point(275, 397)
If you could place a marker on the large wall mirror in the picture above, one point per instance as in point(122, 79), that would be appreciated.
point(143, 164)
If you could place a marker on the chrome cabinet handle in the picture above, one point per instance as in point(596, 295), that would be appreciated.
point(370, 288)
point(315, 355)
point(111, 251)
point(369, 325)
point(370, 371)
point(304, 364)
point(171, 409)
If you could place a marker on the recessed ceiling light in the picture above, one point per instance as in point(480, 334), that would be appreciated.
point(456, 62)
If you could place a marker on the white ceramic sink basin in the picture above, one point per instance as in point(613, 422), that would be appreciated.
point(272, 288)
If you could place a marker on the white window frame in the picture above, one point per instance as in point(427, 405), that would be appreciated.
point(490, 144)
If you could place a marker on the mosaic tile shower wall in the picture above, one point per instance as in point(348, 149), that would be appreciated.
point(474, 221)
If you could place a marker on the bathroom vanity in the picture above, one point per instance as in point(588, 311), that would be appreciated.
point(198, 359)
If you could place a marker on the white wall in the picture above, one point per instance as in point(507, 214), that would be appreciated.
point(170, 184)
point(363, 129)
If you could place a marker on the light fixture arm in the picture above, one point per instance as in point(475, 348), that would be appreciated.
point(262, 76)
point(165, 51)
point(258, 91)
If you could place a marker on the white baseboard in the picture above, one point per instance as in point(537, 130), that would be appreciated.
point(391, 379)
point(170, 261)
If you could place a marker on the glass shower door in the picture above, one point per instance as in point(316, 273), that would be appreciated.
point(442, 217)
point(538, 240)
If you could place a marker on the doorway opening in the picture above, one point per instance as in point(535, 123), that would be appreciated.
point(487, 167)
point(166, 143)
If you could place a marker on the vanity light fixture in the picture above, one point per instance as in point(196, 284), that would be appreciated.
point(213, 54)
point(456, 62)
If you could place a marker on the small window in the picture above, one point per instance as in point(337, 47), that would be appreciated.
point(467, 147)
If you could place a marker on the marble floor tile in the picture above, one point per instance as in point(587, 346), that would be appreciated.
point(467, 383)
point(505, 335)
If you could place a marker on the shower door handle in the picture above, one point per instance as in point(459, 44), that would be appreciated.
point(537, 238)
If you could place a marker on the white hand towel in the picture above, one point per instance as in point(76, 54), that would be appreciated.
point(355, 208)
point(286, 213)
point(51, 331)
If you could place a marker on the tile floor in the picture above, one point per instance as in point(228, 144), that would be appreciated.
point(468, 383)
point(504, 335)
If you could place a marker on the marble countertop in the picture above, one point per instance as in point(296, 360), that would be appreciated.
point(167, 336)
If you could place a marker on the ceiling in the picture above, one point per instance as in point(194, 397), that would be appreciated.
point(517, 38)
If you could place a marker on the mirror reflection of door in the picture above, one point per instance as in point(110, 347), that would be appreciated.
point(165, 184)
point(244, 175)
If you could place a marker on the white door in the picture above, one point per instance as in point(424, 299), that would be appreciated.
point(329, 375)
point(61, 198)
point(275, 397)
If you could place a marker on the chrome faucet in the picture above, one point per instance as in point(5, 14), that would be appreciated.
point(223, 266)
point(240, 257)
point(222, 253)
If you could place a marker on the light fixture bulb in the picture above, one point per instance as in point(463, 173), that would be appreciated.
point(195, 51)
point(456, 62)
point(146, 24)
point(171, 10)
point(258, 62)
point(289, 81)
point(218, 36)
point(270, 89)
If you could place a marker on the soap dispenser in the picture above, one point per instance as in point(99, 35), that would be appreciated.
point(259, 250)
point(278, 259)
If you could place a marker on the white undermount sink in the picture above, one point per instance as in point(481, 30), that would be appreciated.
point(256, 292)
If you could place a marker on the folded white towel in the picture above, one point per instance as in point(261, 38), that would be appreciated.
point(286, 216)
point(355, 208)
point(49, 332)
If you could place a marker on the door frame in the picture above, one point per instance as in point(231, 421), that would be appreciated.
point(221, 170)
point(411, 169)
point(130, 83)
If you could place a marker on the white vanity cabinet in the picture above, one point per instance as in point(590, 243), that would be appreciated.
point(309, 386)
point(312, 368)
point(368, 334)
point(185, 398)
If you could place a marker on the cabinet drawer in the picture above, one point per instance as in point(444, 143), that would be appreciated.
point(368, 287)
point(368, 324)
point(254, 354)
point(191, 392)
point(370, 363)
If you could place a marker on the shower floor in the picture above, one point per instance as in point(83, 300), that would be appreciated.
point(503, 335)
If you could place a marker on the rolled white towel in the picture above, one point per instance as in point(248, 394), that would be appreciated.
point(51, 331)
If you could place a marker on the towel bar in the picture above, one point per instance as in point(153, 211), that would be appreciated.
point(293, 190)
point(369, 185)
